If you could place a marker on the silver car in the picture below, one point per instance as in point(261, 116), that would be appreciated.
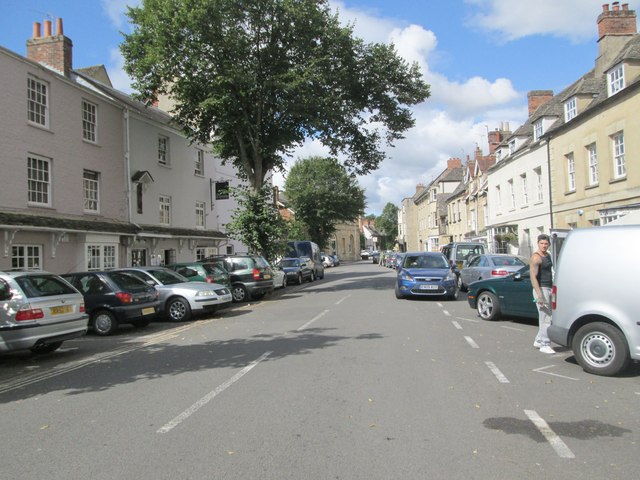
point(489, 265)
point(39, 311)
point(179, 297)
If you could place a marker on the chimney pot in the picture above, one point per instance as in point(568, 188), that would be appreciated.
point(605, 7)
point(625, 6)
point(616, 6)
point(37, 30)
point(47, 28)
point(59, 29)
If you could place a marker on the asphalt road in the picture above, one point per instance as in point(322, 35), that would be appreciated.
point(334, 379)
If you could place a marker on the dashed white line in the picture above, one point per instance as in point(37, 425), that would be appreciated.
point(556, 442)
point(474, 320)
point(471, 342)
point(457, 325)
point(446, 312)
point(210, 396)
point(512, 328)
point(342, 299)
point(540, 370)
point(498, 374)
point(306, 325)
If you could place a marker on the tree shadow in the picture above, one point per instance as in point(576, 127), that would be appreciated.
point(153, 361)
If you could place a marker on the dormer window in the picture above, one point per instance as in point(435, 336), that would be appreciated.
point(570, 109)
point(512, 147)
point(434, 194)
point(498, 155)
point(538, 130)
point(615, 79)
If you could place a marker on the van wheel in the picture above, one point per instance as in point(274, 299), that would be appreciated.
point(601, 349)
point(488, 306)
point(104, 323)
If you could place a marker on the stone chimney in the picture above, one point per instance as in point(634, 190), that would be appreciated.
point(420, 187)
point(616, 26)
point(537, 98)
point(53, 51)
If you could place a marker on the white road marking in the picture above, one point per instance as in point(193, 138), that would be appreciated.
point(556, 442)
point(512, 328)
point(210, 396)
point(439, 304)
point(499, 375)
point(539, 370)
point(471, 342)
point(457, 325)
point(446, 312)
point(306, 325)
point(474, 320)
point(342, 299)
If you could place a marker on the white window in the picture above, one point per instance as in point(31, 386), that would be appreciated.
point(91, 191)
point(163, 150)
point(165, 210)
point(26, 257)
point(619, 165)
point(512, 147)
point(434, 195)
point(200, 214)
point(538, 130)
point(201, 253)
point(39, 181)
point(538, 172)
point(498, 155)
point(616, 79)
point(199, 167)
point(37, 101)
point(571, 172)
point(570, 109)
point(593, 164)
point(101, 257)
point(89, 121)
point(498, 200)
point(525, 193)
point(512, 195)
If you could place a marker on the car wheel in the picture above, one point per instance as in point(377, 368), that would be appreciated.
point(461, 286)
point(312, 277)
point(104, 323)
point(299, 279)
point(178, 310)
point(46, 348)
point(488, 306)
point(239, 293)
point(141, 323)
point(398, 294)
point(454, 295)
point(284, 281)
point(601, 349)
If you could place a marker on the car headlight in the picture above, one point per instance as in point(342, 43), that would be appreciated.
point(406, 276)
point(206, 293)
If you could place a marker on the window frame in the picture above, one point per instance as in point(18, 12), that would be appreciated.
point(615, 79)
point(512, 194)
point(99, 256)
point(38, 102)
point(525, 192)
point(539, 185)
point(571, 172)
point(570, 109)
point(87, 191)
point(47, 183)
point(164, 210)
point(592, 164)
point(619, 161)
point(200, 214)
point(538, 130)
point(164, 158)
point(89, 121)
point(26, 260)
point(199, 163)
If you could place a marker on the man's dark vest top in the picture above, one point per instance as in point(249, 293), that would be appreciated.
point(544, 276)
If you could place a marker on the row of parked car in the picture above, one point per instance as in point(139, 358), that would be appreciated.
point(40, 310)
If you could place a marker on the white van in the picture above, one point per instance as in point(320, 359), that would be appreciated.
point(595, 304)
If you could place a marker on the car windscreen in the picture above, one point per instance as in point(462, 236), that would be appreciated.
point(168, 277)
point(261, 262)
point(290, 263)
point(425, 261)
point(43, 286)
point(126, 281)
point(214, 269)
point(465, 251)
point(501, 261)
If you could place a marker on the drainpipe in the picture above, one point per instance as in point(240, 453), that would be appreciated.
point(127, 162)
point(549, 175)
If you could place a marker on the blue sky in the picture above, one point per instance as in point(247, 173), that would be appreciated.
point(481, 57)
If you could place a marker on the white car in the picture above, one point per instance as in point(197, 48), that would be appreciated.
point(179, 297)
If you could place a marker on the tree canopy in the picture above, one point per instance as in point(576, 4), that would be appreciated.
point(258, 77)
point(323, 194)
point(387, 224)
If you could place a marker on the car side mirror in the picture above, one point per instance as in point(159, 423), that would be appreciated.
point(517, 276)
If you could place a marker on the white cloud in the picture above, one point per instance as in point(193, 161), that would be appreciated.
point(119, 78)
point(572, 19)
point(116, 10)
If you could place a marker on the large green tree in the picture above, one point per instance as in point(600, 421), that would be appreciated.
point(258, 77)
point(323, 194)
point(387, 224)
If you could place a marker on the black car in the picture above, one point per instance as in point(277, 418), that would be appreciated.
point(297, 270)
point(112, 298)
point(251, 276)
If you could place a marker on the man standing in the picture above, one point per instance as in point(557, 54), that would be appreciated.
point(541, 278)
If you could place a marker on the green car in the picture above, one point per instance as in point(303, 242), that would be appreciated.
point(511, 295)
point(202, 272)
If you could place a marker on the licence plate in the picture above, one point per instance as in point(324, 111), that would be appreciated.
point(428, 287)
point(62, 309)
point(267, 277)
point(148, 311)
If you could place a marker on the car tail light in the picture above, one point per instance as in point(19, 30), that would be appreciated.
point(554, 292)
point(82, 310)
point(28, 313)
point(256, 274)
point(124, 297)
point(499, 273)
point(210, 279)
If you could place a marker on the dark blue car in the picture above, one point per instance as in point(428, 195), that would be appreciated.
point(426, 274)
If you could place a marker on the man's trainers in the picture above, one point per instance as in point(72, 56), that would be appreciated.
point(537, 344)
point(547, 349)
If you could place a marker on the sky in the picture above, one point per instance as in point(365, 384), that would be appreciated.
point(480, 57)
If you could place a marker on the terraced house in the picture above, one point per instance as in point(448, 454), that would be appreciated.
point(92, 179)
